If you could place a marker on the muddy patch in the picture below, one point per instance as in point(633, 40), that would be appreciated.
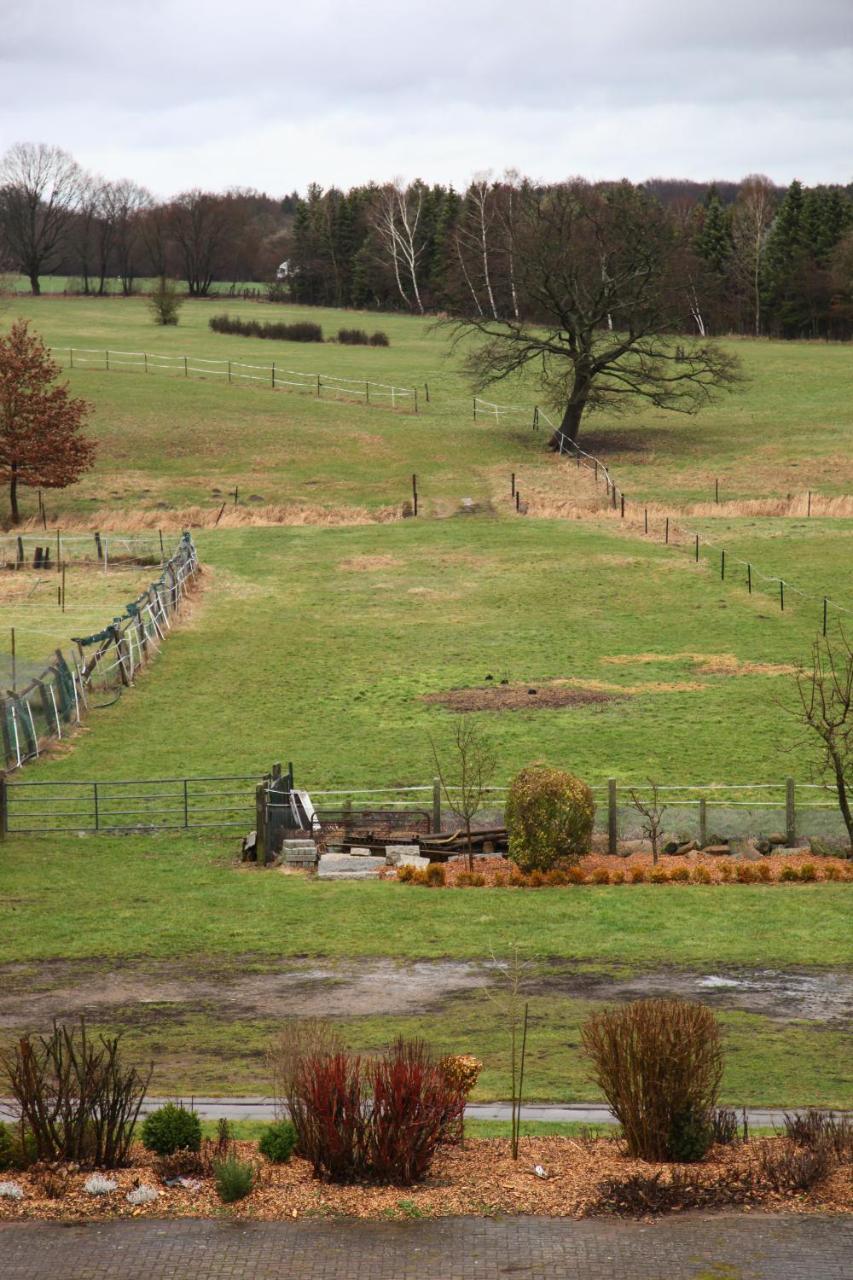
point(250, 987)
point(782, 996)
point(35, 994)
point(517, 697)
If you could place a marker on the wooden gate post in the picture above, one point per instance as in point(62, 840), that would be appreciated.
point(612, 826)
point(436, 804)
point(261, 824)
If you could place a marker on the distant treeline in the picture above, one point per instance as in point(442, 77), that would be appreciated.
point(752, 257)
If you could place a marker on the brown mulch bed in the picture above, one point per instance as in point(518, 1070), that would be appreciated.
point(479, 1178)
point(499, 869)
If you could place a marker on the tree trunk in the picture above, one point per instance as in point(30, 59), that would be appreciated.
point(34, 282)
point(570, 426)
point(843, 799)
point(13, 495)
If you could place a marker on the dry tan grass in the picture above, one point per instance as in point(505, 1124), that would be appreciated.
point(196, 517)
point(368, 564)
point(709, 664)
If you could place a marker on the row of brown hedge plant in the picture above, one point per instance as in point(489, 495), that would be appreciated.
point(377, 1119)
point(361, 338)
point(76, 1100)
point(740, 873)
point(299, 331)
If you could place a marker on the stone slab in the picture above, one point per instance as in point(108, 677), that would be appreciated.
point(343, 866)
point(394, 852)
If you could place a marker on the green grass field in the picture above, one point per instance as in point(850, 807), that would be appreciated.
point(322, 644)
point(163, 438)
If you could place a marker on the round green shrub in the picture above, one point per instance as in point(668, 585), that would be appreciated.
point(277, 1142)
point(7, 1147)
point(170, 1129)
point(17, 1149)
point(549, 816)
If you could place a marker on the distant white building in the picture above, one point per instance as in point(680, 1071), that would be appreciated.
point(283, 270)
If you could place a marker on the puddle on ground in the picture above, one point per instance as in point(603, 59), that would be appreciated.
point(254, 987)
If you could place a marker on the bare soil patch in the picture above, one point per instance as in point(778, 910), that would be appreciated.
point(518, 697)
point(367, 564)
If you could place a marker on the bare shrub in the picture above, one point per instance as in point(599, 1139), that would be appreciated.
point(298, 1039)
point(815, 1128)
point(784, 1166)
point(659, 1064)
point(75, 1097)
point(666, 1191)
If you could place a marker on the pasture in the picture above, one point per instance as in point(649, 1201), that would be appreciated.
point(331, 632)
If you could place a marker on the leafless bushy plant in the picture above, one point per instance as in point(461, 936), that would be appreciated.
point(659, 1064)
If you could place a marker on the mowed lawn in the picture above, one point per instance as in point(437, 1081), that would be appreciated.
point(787, 428)
point(320, 646)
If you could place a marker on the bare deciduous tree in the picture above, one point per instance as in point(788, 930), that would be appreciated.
point(825, 707)
point(396, 223)
point(202, 226)
point(39, 190)
point(466, 779)
point(751, 218)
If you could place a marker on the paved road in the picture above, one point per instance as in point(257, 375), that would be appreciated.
point(257, 1108)
point(723, 1247)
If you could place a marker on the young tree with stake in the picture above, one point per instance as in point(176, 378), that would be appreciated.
point(42, 444)
point(467, 778)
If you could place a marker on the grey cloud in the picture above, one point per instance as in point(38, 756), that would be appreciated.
point(212, 93)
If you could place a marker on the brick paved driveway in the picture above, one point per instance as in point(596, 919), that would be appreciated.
point(684, 1248)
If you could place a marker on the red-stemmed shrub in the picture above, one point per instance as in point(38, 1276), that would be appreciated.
point(415, 1108)
point(374, 1120)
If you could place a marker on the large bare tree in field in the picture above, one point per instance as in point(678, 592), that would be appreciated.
point(39, 190)
point(396, 223)
point(597, 298)
point(825, 708)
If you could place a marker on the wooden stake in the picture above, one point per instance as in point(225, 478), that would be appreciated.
point(666, 534)
point(749, 578)
point(512, 485)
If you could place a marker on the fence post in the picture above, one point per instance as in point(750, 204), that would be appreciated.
point(261, 824)
point(186, 804)
point(95, 799)
point(436, 804)
point(4, 808)
point(790, 813)
point(612, 827)
point(703, 823)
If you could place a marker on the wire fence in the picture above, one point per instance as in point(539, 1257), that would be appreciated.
point(57, 694)
point(52, 550)
point(707, 812)
point(273, 375)
point(670, 530)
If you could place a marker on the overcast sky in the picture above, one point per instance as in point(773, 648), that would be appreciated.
point(274, 94)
